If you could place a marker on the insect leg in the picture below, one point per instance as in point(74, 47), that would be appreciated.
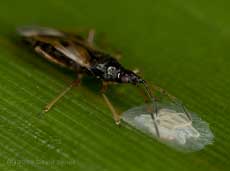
point(143, 94)
point(174, 99)
point(91, 36)
point(152, 108)
point(54, 101)
point(136, 71)
point(154, 116)
point(118, 55)
point(116, 116)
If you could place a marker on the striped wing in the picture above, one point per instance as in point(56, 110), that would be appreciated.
point(58, 40)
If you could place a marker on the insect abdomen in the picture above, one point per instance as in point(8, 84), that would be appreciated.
point(53, 55)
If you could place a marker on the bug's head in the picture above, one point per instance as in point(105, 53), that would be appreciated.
point(111, 70)
point(130, 77)
point(116, 72)
point(127, 76)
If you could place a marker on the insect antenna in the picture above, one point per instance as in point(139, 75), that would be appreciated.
point(154, 108)
point(174, 100)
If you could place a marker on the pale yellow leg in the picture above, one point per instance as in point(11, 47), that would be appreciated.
point(91, 36)
point(173, 98)
point(54, 101)
point(116, 116)
point(118, 56)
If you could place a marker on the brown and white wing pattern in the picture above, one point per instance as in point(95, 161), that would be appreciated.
point(29, 31)
point(55, 46)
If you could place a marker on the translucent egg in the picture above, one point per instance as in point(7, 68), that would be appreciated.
point(172, 126)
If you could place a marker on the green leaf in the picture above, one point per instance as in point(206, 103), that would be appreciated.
point(180, 46)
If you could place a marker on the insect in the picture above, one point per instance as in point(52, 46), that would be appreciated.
point(79, 55)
